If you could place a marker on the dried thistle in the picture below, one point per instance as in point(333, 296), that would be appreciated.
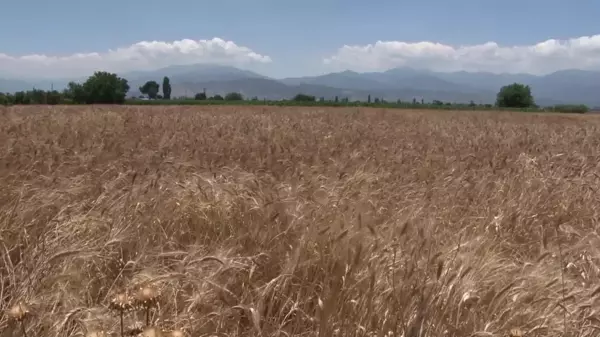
point(19, 312)
point(121, 303)
point(147, 298)
point(134, 330)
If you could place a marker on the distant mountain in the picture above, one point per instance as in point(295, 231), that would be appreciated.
point(346, 80)
point(390, 80)
point(562, 87)
point(184, 75)
point(273, 89)
point(13, 85)
point(10, 85)
point(572, 86)
point(191, 73)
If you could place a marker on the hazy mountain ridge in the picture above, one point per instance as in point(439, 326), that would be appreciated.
point(567, 86)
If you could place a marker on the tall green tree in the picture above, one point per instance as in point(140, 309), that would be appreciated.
point(21, 97)
point(304, 98)
point(515, 95)
point(75, 93)
point(102, 88)
point(234, 96)
point(150, 88)
point(166, 88)
point(53, 97)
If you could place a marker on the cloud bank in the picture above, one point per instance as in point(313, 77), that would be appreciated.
point(541, 58)
point(145, 55)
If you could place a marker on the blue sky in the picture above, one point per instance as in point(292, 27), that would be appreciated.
point(292, 38)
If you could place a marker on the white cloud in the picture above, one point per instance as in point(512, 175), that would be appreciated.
point(145, 55)
point(540, 58)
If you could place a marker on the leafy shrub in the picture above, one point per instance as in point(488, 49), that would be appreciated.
point(571, 108)
point(234, 96)
point(304, 98)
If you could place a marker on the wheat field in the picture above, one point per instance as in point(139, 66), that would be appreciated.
point(270, 221)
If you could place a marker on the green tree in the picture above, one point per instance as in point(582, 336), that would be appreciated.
point(75, 93)
point(101, 88)
point(21, 97)
point(234, 96)
point(53, 97)
point(200, 96)
point(150, 88)
point(304, 98)
point(166, 88)
point(515, 95)
point(10, 98)
point(37, 96)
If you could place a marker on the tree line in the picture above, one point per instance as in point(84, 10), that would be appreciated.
point(108, 88)
point(100, 88)
point(152, 89)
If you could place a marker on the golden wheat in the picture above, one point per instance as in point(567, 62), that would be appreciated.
point(265, 221)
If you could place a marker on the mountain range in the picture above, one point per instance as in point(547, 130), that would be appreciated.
point(561, 87)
